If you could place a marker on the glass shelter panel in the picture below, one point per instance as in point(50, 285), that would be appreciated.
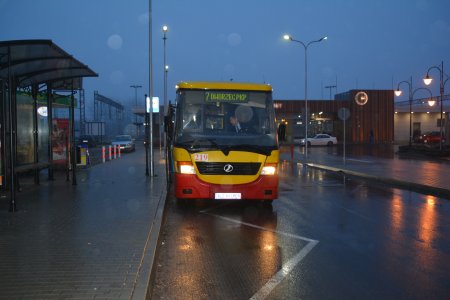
point(25, 137)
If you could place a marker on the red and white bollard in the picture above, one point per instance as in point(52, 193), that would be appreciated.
point(110, 153)
point(103, 154)
point(115, 151)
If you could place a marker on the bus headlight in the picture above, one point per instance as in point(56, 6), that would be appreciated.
point(269, 169)
point(186, 167)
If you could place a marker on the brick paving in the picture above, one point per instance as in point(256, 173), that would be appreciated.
point(88, 241)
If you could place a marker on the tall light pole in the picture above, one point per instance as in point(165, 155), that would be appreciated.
point(166, 69)
point(427, 80)
point(135, 106)
point(411, 93)
point(330, 87)
point(290, 38)
point(398, 92)
point(165, 29)
point(150, 46)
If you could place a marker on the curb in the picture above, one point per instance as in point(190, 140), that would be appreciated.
point(142, 289)
point(412, 186)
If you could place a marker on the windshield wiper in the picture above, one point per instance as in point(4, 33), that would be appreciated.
point(265, 150)
point(195, 144)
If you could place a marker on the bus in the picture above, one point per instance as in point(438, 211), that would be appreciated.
point(224, 142)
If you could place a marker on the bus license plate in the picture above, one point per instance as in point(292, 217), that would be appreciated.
point(230, 196)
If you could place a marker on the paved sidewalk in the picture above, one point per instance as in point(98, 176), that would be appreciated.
point(423, 175)
point(95, 240)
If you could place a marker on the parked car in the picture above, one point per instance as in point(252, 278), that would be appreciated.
point(432, 137)
point(87, 140)
point(125, 142)
point(321, 139)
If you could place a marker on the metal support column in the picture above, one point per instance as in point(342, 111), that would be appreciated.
point(82, 111)
point(34, 92)
point(73, 157)
point(11, 137)
point(146, 138)
point(50, 130)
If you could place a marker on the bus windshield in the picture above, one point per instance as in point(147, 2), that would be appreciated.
point(225, 120)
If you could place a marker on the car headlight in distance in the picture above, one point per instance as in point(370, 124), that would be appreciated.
point(269, 169)
point(186, 167)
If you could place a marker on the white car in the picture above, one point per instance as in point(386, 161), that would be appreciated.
point(125, 142)
point(320, 140)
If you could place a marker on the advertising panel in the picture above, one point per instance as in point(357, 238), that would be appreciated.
point(60, 140)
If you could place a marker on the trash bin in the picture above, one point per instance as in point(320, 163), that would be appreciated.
point(82, 155)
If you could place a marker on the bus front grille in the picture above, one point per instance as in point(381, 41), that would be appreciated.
point(234, 168)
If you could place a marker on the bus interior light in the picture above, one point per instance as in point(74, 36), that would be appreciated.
point(186, 167)
point(269, 169)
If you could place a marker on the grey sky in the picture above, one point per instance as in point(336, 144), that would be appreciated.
point(371, 44)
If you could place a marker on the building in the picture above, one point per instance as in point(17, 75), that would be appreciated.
point(411, 119)
point(371, 116)
point(368, 114)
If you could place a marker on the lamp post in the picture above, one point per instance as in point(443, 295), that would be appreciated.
point(135, 105)
point(305, 46)
point(150, 67)
point(411, 94)
point(166, 71)
point(398, 92)
point(427, 80)
point(165, 29)
point(330, 87)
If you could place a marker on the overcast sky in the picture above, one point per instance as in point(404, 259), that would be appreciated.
point(372, 44)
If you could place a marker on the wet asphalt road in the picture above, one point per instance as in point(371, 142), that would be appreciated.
point(324, 238)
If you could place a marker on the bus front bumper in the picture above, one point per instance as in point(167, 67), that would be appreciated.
point(189, 186)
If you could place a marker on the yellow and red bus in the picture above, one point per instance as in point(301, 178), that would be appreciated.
point(225, 143)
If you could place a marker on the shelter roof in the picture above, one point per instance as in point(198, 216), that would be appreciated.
point(30, 62)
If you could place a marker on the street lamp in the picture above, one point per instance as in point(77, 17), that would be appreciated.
point(135, 106)
point(165, 29)
point(330, 87)
point(398, 92)
point(166, 72)
point(411, 93)
point(427, 80)
point(150, 86)
point(290, 38)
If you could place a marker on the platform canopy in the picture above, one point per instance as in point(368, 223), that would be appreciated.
point(30, 62)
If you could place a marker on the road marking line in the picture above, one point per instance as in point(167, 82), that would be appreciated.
point(263, 228)
point(361, 160)
point(285, 268)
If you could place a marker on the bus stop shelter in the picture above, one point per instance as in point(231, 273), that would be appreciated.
point(38, 68)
